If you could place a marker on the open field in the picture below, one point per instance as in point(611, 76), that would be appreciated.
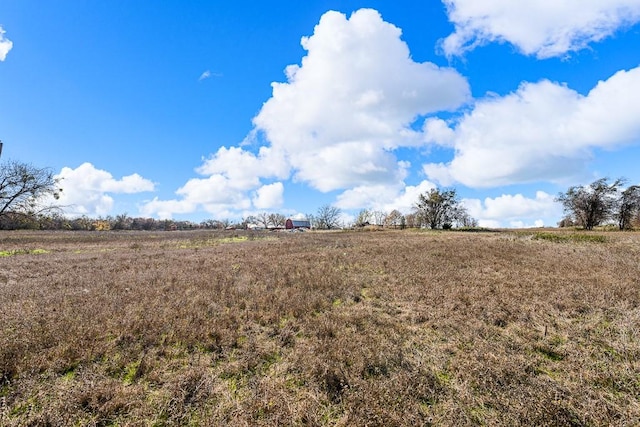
point(385, 328)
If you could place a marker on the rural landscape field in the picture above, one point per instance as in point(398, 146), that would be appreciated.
point(387, 328)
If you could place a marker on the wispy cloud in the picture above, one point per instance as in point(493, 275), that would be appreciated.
point(5, 45)
point(208, 74)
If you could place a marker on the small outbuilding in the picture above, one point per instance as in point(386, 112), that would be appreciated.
point(294, 224)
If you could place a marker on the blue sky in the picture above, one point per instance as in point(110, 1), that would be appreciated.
point(197, 110)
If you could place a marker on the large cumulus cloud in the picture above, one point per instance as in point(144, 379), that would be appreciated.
point(544, 131)
point(352, 101)
point(333, 124)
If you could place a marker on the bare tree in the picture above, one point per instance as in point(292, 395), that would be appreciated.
point(248, 221)
point(593, 204)
point(82, 223)
point(363, 218)
point(327, 217)
point(213, 224)
point(462, 218)
point(277, 220)
point(262, 219)
point(378, 217)
point(121, 222)
point(567, 221)
point(24, 189)
point(143, 224)
point(627, 207)
point(394, 219)
point(411, 220)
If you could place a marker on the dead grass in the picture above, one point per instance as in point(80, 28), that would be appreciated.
point(341, 329)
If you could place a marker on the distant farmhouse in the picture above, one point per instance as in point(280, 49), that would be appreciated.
point(294, 224)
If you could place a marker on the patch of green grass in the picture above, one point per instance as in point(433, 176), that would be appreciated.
point(4, 390)
point(39, 251)
point(476, 230)
point(131, 372)
point(234, 239)
point(11, 253)
point(611, 352)
point(294, 382)
point(269, 360)
point(204, 243)
point(23, 408)
point(23, 252)
point(69, 373)
point(548, 372)
point(575, 237)
point(444, 377)
point(550, 353)
point(481, 414)
point(236, 385)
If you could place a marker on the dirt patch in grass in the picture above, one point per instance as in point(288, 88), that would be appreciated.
point(391, 328)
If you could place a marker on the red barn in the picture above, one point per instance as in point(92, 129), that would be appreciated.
point(294, 224)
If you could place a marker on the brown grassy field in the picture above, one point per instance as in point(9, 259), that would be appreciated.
point(389, 328)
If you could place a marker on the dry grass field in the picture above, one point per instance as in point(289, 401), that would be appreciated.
point(390, 328)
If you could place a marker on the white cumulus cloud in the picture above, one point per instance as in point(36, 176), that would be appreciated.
point(244, 169)
point(5, 45)
point(230, 176)
point(368, 196)
point(515, 211)
point(352, 101)
point(545, 28)
point(216, 195)
point(86, 189)
point(269, 196)
point(384, 198)
point(406, 200)
point(544, 131)
point(166, 209)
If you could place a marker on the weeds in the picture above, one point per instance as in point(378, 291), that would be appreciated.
point(389, 329)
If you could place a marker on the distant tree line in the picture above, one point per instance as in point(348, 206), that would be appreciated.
point(266, 220)
point(601, 202)
point(26, 193)
point(436, 209)
point(56, 221)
